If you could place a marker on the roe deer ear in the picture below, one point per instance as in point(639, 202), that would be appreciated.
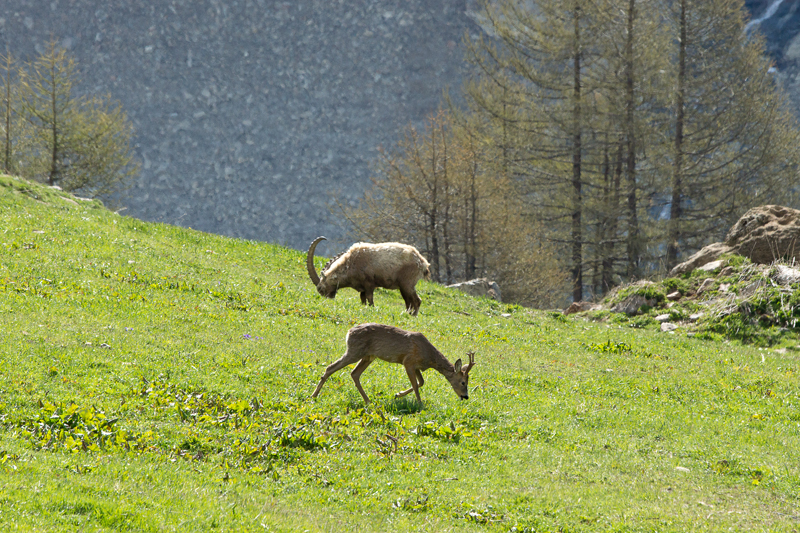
point(458, 365)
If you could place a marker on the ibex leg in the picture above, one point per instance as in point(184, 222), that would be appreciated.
point(412, 300)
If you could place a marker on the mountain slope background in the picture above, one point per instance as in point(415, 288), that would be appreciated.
point(252, 115)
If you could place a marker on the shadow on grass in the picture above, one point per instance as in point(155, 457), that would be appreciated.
point(403, 406)
point(395, 406)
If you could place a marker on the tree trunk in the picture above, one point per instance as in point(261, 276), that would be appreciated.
point(633, 245)
point(54, 153)
point(7, 163)
point(448, 260)
point(676, 211)
point(612, 208)
point(472, 222)
point(577, 200)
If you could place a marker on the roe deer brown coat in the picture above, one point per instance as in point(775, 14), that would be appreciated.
point(367, 342)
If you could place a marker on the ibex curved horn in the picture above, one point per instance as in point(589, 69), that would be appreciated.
point(312, 272)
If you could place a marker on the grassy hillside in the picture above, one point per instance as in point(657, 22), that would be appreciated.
point(154, 378)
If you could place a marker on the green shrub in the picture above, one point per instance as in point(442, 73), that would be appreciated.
point(675, 284)
point(734, 260)
point(649, 292)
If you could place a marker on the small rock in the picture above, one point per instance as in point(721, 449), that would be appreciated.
point(668, 326)
point(707, 284)
point(727, 271)
point(785, 275)
point(682, 469)
point(751, 289)
point(695, 317)
point(479, 287)
point(724, 287)
point(673, 296)
point(662, 318)
point(713, 265)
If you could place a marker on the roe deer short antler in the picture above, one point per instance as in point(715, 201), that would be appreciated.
point(367, 342)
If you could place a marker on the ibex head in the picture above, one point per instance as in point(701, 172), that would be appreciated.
point(460, 378)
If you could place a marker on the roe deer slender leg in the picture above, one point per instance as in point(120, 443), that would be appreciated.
point(356, 375)
point(332, 368)
point(421, 382)
point(412, 377)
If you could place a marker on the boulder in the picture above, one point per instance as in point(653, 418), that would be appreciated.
point(763, 234)
point(705, 255)
point(479, 287)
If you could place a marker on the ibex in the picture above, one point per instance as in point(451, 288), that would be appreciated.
point(365, 266)
point(367, 342)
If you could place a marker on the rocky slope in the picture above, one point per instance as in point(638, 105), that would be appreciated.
point(251, 114)
point(731, 298)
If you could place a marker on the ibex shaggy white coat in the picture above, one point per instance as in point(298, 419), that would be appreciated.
point(365, 266)
point(367, 342)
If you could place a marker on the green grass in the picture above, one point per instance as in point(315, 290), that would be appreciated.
point(154, 378)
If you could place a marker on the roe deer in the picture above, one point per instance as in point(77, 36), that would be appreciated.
point(367, 342)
